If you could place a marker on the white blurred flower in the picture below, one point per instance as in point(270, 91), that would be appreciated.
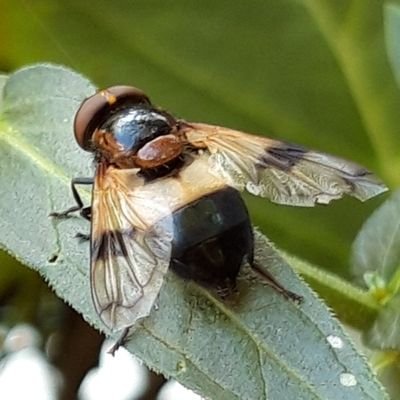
point(119, 378)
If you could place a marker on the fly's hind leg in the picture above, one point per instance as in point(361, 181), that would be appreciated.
point(84, 212)
point(269, 279)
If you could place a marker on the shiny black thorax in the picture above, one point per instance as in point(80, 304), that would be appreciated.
point(134, 126)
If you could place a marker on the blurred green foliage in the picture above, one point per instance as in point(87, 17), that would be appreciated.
point(311, 72)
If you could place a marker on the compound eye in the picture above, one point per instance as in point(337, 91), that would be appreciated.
point(95, 110)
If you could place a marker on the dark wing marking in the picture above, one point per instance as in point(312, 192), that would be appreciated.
point(128, 258)
point(281, 172)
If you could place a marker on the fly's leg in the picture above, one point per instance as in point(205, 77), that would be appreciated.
point(268, 278)
point(226, 289)
point(82, 237)
point(85, 212)
point(120, 342)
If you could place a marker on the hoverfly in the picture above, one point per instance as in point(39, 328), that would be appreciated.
point(166, 196)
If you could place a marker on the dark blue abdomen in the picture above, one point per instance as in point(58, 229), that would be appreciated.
point(212, 237)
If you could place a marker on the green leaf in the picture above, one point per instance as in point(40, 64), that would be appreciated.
point(390, 372)
point(385, 332)
point(311, 72)
point(38, 155)
point(353, 306)
point(256, 346)
point(376, 250)
point(376, 260)
point(392, 35)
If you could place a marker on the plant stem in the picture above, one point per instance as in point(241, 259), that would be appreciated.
point(351, 304)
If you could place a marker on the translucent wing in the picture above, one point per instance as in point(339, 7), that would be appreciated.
point(129, 257)
point(281, 172)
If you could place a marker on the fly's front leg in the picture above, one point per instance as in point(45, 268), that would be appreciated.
point(82, 237)
point(84, 212)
